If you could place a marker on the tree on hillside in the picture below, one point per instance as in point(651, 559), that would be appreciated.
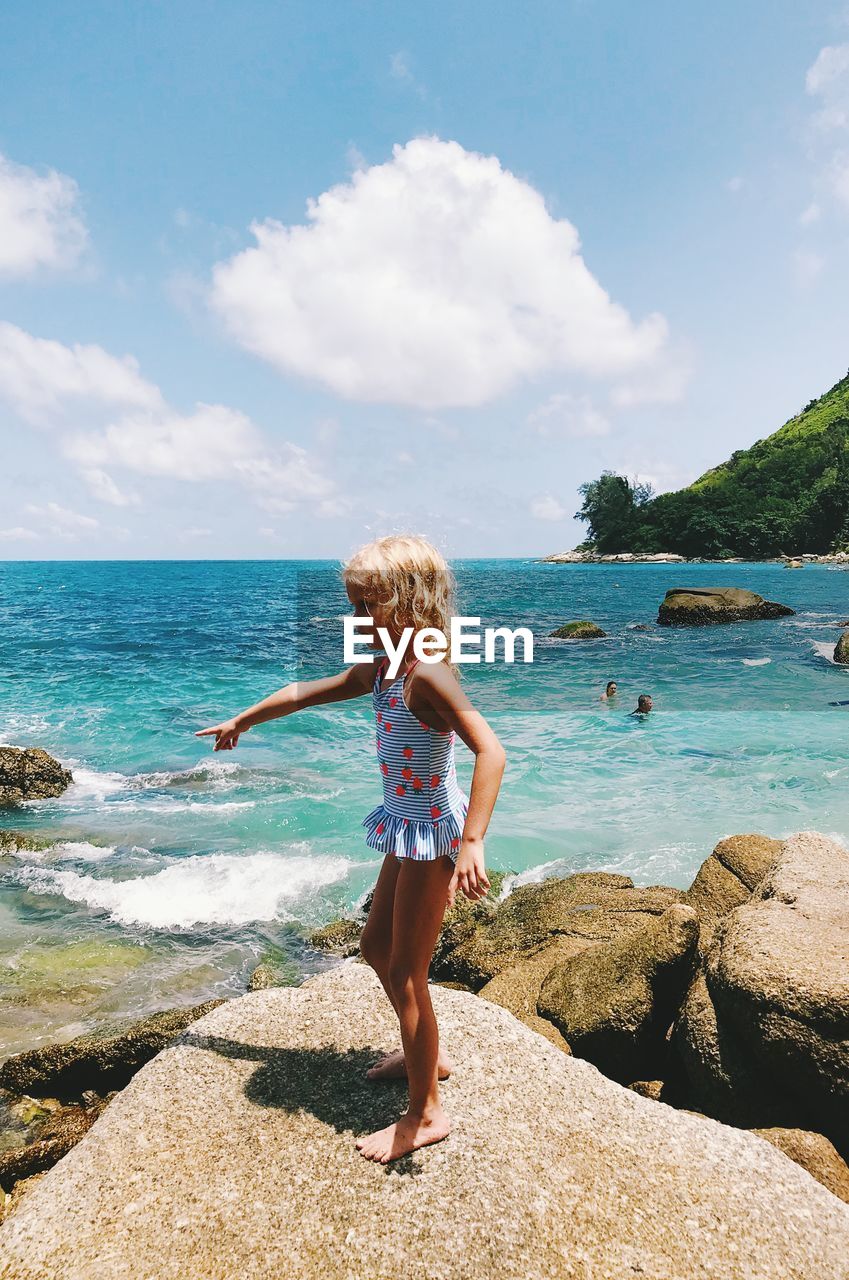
point(610, 510)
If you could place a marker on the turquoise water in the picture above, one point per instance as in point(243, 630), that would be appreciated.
point(172, 871)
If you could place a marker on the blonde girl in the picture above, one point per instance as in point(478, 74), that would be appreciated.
point(431, 833)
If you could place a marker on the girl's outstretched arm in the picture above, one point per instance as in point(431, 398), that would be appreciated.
point(353, 682)
point(440, 701)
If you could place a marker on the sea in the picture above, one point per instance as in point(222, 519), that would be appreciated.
point(169, 871)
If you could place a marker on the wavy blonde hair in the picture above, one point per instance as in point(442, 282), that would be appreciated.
point(409, 578)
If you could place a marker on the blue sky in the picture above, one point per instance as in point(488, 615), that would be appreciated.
point(278, 278)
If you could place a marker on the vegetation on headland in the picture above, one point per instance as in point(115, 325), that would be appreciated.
point(787, 494)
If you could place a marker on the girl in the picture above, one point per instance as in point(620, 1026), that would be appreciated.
point(431, 833)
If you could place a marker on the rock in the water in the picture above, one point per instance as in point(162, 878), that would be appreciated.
point(726, 879)
point(593, 906)
point(815, 1153)
point(705, 606)
point(28, 773)
point(96, 1062)
point(340, 936)
point(841, 649)
point(61, 1131)
point(255, 1174)
point(764, 1032)
point(580, 630)
point(615, 1003)
point(262, 977)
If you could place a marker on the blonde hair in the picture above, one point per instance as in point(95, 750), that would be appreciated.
point(409, 578)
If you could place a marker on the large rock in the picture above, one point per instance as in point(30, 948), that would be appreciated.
point(579, 630)
point(726, 879)
point(615, 1003)
point(592, 906)
point(705, 606)
point(518, 987)
point(30, 774)
point(841, 649)
point(815, 1153)
point(764, 1032)
point(551, 1169)
point(98, 1062)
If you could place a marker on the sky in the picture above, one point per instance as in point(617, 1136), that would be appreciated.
point(276, 279)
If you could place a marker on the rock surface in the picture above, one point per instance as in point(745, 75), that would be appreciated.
point(592, 906)
point(814, 1153)
point(580, 630)
point(30, 774)
point(551, 1170)
point(96, 1062)
point(614, 1003)
point(706, 606)
point(841, 649)
point(764, 1032)
point(726, 879)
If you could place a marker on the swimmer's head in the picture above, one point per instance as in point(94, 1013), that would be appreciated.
point(644, 702)
point(611, 688)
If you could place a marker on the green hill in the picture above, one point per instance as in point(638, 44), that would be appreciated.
point(787, 494)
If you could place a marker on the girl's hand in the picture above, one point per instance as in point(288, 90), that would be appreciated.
point(469, 874)
point(226, 735)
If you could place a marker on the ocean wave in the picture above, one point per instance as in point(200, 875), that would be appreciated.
point(825, 649)
point(755, 662)
point(212, 889)
point(66, 850)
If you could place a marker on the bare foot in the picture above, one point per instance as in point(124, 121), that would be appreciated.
point(393, 1067)
point(406, 1135)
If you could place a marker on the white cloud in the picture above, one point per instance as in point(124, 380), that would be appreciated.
point(435, 279)
point(104, 488)
point(810, 215)
point(661, 382)
point(62, 522)
point(566, 415)
point(546, 507)
point(18, 534)
point(399, 69)
point(41, 378)
point(40, 221)
point(829, 72)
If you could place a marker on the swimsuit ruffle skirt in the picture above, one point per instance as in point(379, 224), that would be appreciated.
point(423, 811)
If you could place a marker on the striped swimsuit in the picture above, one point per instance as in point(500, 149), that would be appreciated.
point(423, 810)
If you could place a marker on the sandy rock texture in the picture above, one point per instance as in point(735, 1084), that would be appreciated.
point(231, 1154)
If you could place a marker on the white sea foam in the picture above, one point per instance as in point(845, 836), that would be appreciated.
point(218, 888)
point(825, 649)
point(755, 662)
point(67, 850)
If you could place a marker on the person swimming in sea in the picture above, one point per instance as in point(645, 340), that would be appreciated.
point(431, 833)
point(644, 705)
point(610, 691)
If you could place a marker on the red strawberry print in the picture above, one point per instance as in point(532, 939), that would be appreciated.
point(407, 772)
point(435, 811)
point(407, 753)
point(417, 784)
point(380, 828)
point(387, 726)
point(393, 702)
point(377, 740)
point(384, 769)
point(434, 782)
point(406, 822)
point(455, 842)
point(379, 716)
point(400, 790)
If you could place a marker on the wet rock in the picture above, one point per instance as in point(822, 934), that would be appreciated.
point(256, 1174)
point(813, 1152)
point(99, 1062)
point(707, 606)
point(614, 1003)
point(57, 1135)
point(726, 879)
point(481, 942)
point(764, 1032)
point(262, 977)
point(342, 937)
point(580, 630)
point(841, 649)
point(29, 773)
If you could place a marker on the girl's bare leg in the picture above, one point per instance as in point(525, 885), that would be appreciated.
point(421, 892)
point(376, 950)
